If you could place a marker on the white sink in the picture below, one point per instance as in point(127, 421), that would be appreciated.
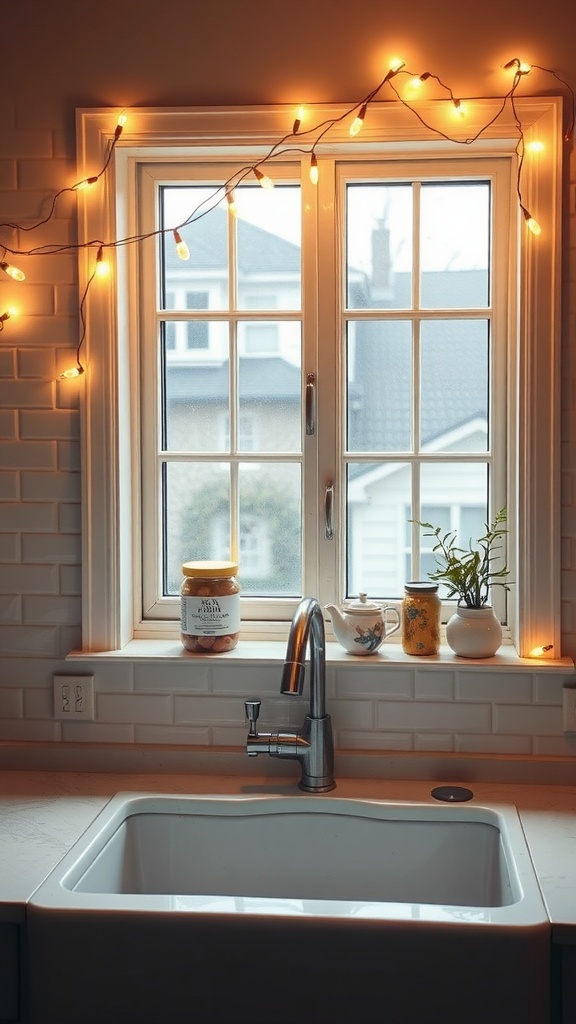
point(359, 899)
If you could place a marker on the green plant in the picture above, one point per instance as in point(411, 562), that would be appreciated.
point(469, 572)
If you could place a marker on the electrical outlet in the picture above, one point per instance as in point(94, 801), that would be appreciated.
point(569, 709)
point(74, 698)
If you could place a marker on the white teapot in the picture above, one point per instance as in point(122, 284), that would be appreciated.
point(361, 626)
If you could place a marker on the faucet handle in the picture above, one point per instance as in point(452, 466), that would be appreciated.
point(252, 711)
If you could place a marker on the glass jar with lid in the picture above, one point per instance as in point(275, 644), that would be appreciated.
point(421, 618)
point(209, 607)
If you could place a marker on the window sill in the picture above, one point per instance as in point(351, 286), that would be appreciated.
point(273, 652)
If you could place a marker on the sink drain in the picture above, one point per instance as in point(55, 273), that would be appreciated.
point(452, 794)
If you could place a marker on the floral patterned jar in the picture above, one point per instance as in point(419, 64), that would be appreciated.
point(421, 618)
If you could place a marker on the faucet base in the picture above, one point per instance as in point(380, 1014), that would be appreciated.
point(315, 787)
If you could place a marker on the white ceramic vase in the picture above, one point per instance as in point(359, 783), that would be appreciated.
point(474, 632)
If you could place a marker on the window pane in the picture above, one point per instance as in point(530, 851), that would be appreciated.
point(195, 400)
point(205, 273)
point(270, 530)
point(269, 394)
point(379, 386)
point(269, 241)
point(455, 240)
point(195, 517)
point(377, 497)
point(463, 486)
point(379, 246)
point(454, 385)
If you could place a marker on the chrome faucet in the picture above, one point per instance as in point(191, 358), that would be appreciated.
point(312, 744)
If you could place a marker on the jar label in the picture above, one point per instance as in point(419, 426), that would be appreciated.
point(210, 616)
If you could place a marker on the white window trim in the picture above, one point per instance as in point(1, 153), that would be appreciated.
point(109, 554)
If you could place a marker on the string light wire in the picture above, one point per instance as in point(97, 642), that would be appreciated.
point(281, 148)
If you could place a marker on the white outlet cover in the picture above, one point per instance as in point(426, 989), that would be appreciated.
point(74, 698)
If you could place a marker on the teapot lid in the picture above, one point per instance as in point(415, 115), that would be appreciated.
point(362, 605)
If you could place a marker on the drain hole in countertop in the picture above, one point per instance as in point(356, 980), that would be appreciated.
point(452, 794)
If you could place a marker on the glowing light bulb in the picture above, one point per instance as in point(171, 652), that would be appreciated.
point(122, 118)
point(181, 247)
point(524, 68)
point(358, 120)
point(531, 222)
point(314, 169)
point(263, 179)
point(13, 272)
point(85, 183)
point(71, 372)
point(102, 268)
point(231, 200)
point(537, 652)
point(458, 108)
point(298, 121)
point(536, 146)
point(396, 65)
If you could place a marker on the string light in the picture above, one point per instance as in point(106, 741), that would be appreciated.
point(263, 179)
point(298, 122)
point(358, 120)
point(231, 200)
point(85, 183)
point(13, 272)
point(537, 652)
point(397, 67)
point(530, 221)
point(181, 247)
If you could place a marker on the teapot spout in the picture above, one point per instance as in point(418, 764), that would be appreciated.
point(338, 620)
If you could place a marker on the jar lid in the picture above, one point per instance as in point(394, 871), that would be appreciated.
point(420, 587)
point(209, 569)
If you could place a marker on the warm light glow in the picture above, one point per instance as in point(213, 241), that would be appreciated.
point(536, 146)
point(102, 268)
point(314, 169)
point(530, 221)
point(358, 120)
point(13, 272)
point(524, 68)
point(122, 119)
point(181, 247)
point(298, 121)
point(85, 183)
point(537, 652)
point(396, 64)
point(458, 108)
point(73, 371)
point(263, 179)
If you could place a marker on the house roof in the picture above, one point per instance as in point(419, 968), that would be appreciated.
point(258, 250)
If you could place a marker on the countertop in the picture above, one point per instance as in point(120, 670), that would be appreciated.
point(42, 813)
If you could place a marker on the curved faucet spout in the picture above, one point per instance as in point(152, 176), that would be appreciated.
point(308, 623)
point(312, 745)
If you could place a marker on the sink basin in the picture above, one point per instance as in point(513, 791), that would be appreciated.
point(332, 850)
point(229, 904)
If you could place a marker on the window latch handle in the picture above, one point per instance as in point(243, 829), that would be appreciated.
point(328, 509)
point(310, 403)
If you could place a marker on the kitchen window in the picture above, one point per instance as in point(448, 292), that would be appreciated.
point(386, 372)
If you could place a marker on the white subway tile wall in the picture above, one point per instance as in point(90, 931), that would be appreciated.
point(408, 708)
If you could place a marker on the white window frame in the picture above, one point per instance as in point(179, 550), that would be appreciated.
point(109, 407)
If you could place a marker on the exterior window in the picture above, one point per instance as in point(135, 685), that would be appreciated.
point(364, 337)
